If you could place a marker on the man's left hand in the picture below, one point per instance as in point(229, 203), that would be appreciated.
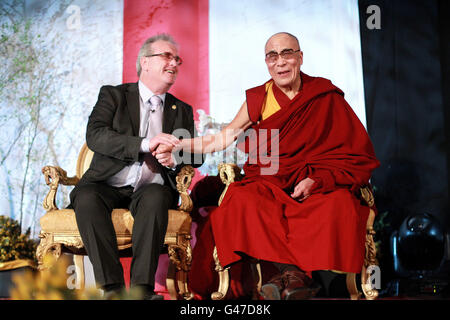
point(164, 155)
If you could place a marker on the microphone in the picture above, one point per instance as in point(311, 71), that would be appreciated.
point(152, 110)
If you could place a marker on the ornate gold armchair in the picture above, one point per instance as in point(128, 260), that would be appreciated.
point(230, 173)
point(59, 231)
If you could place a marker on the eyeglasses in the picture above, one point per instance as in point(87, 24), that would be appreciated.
point(168, 56)
point(272, 56)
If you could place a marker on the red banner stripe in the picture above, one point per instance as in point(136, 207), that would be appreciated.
point(187, 22)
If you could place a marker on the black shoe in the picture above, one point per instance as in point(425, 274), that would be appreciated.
point(148, 292)
point(154, 296)
point(113, 291)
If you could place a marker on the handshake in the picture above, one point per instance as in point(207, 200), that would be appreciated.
point(162, 146)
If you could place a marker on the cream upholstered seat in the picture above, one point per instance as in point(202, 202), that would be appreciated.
point(59, 231)
point(230, 173)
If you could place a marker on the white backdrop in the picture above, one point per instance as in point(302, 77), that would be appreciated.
point(328, 31)
point(80, 43)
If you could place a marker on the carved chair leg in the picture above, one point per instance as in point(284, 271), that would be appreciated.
point(183, 285)
point(79, 270)
point(45, 247)
point(351, 286)
point(370, 260)
point(170, 281)
point(180, 257)
point(40, 253)
point(369, 292)
point(181, 282)
point(257, 277)
point(224, 279)
point(184, 270)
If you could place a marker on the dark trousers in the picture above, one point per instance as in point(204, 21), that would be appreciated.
point(93, 204)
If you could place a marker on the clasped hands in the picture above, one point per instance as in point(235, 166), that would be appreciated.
point(161, 147)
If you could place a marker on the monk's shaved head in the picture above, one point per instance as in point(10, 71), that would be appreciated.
point(283, 34)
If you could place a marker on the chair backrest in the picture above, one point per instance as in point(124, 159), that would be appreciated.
point(84, 160)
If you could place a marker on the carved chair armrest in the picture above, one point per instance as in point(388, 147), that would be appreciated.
point(54, 176)
point(229, 173)
point(184, 179)
point(367, 196)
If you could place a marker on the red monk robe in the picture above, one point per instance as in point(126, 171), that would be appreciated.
point(319, 137)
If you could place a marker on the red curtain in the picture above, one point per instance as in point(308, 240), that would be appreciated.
point(187, 22)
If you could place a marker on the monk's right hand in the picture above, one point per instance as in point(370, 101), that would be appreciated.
point(165, 139)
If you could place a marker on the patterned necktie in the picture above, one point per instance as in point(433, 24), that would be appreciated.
point(150, 165)
point(154, 120)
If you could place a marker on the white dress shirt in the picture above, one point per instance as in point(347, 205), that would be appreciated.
point(129, 174)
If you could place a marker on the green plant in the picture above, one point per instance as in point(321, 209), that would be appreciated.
point(14, 244)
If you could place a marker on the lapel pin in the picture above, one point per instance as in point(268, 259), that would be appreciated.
point(174, 107)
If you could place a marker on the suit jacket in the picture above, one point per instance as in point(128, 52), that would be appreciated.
point(113, 131)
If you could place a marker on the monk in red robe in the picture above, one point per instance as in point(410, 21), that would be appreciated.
point(297, 205)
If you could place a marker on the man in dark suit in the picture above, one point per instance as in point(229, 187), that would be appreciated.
point(125, 128)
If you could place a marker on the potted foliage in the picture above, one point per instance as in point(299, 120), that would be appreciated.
point(17, 252)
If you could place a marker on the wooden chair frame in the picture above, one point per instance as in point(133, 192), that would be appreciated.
point(230, 173)
point(57, 238)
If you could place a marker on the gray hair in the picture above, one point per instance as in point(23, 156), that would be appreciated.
point(146, 48)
